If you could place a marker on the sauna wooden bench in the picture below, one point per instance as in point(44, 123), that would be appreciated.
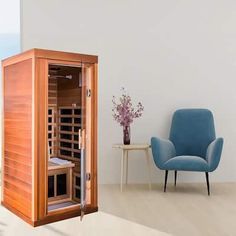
point(67, 169)
point(54, 166)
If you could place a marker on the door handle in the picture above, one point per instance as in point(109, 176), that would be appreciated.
point(81, 139)
point(82, 171)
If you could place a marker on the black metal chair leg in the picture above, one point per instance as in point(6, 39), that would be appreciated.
point(166, 176)
point(175, 176)
point(208, 185)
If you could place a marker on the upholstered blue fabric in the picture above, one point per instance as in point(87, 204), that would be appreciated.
point(162, 150)
point(192, 163)
point(192, 145)
point(191, 132)
point(214, 153)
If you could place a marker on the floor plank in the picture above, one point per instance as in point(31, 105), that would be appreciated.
point(96, 224)
point(182, 211)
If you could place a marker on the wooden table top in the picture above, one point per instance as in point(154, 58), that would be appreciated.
point(137, 146)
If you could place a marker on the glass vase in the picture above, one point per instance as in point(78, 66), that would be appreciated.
point(126, 135)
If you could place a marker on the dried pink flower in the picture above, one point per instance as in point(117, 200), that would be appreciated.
point(124, 112)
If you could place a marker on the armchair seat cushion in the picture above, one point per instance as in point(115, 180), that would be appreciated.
point(186, 163)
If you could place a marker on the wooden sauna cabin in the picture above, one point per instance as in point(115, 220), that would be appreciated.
point(49, 164)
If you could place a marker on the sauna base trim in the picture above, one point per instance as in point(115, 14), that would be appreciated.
point(50, 218)
point(67, 215)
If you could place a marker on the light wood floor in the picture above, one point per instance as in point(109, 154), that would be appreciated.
point(184, 210)
point(96, 224)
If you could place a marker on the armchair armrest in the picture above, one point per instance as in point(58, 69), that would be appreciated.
point(162, 151)
point(213, 153)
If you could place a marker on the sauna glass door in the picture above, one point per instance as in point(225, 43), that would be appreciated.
point(69, 135)
point(83, 137)
point(86, 132)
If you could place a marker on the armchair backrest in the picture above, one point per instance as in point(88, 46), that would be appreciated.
point(192, 130)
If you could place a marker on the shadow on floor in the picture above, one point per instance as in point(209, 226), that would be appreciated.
point(1, 231)
point(2, 224)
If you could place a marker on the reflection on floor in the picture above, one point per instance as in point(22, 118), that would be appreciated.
point(182, 211)
point(61, 205)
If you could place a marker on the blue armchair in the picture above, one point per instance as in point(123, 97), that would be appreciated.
point(192, 145)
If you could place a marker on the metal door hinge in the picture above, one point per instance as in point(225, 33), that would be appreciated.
point(88, 176)
point(88, 92)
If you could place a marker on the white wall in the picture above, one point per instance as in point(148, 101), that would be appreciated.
point(169, 54)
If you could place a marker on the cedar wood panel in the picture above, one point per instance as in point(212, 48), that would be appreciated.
point(17, 144)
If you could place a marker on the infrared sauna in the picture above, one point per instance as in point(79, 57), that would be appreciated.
point(50, 135)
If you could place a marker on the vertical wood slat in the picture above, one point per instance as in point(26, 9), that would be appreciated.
point(3, 134)
point(88, 120)
point(42, 81)
point(94, 98)
point(17, 94)
point(52, 146)
point(52, 105)
point(34, 143)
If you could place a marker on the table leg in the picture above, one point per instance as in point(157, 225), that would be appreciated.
point(127, 166)
point(122, 170)
point(148, 167)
